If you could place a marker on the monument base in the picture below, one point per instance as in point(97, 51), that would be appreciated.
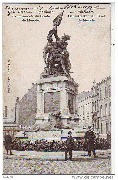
point(56, 100)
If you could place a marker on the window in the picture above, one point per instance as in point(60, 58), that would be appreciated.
point(92, 106)
point(101, 111)
point(95, 105)
point(83, 110)
point(98, 123)
point(110, 126)
point(95, 124)
point(101, 128)
point(100, 94)
point(106, 92)
point(109, 90)
point(106, 127)
point(105, 109)
point(5, 111)
point(110, 108)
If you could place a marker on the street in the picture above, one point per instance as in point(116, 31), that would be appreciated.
point(33, 162)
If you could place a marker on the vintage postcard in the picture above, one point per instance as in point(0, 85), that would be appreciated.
point(57, 88)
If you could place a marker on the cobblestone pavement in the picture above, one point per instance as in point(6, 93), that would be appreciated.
point(32, 162)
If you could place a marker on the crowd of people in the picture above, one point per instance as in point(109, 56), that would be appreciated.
point(44, 145)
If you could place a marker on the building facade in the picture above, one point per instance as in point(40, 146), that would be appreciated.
point(101, 106)
point(84, 104)
point(94, 107)
point(26, 108)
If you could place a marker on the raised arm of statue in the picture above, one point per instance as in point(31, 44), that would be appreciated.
point(51, 33)
point(56, 22)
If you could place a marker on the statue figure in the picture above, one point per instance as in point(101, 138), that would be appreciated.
point(55, 53)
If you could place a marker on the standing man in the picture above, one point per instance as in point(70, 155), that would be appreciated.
point(69, 146)
point(8, 143)
point(90, 141)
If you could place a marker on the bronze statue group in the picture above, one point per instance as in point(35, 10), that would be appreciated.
point(55, 53)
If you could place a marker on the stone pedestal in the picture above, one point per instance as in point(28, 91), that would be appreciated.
point(56, 94)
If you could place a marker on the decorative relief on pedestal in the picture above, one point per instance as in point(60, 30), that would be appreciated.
point(51, 102)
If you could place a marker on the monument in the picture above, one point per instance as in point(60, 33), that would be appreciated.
point(56, 90)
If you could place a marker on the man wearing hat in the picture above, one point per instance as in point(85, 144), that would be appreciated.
point(8, 143)
point(90, 141)
point(69, 146)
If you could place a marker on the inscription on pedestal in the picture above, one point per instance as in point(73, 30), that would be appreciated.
point(51, 102)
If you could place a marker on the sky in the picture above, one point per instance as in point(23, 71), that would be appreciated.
point(23, 43)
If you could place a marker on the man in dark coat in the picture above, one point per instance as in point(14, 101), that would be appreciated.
point(90, 141)
point(8, 143)
point(69, 146)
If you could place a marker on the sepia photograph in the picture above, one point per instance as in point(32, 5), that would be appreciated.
point(56, 68)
